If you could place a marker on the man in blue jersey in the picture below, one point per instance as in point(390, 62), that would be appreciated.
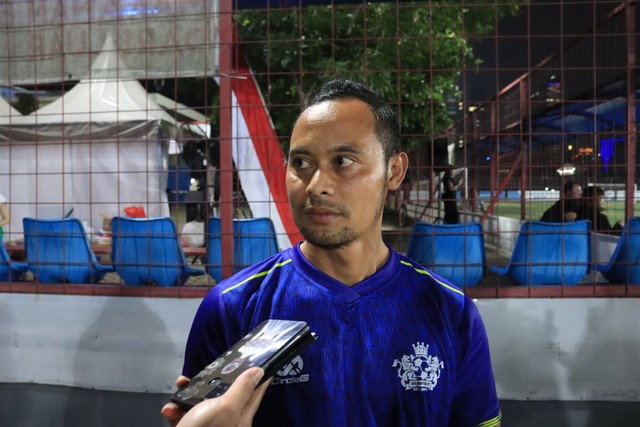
point(397, 345)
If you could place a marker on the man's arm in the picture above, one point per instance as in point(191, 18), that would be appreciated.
point(208, 337)
point(475, 397)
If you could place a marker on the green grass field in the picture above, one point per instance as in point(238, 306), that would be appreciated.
point(535, 209)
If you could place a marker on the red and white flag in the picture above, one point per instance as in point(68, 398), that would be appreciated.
point(258, 157)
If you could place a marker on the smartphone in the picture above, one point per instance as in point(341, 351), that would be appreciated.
point(271, 345)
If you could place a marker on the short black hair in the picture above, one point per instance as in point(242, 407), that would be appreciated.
point(592, 192)
point(568, 186)
point(387, 127)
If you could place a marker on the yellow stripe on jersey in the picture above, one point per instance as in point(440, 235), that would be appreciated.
point(493, 422)
point(255, 276)
point(422, 271)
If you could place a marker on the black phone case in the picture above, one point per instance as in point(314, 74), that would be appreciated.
point(271, 345)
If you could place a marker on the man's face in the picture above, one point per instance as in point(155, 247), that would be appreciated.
point(336, 176)
point(598, 201)
point(575, 193)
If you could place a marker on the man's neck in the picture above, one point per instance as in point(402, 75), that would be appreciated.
point(350, 264)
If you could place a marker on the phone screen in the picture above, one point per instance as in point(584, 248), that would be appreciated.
point(270, 345)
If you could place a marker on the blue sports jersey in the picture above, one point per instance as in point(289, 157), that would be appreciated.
point(404, 347)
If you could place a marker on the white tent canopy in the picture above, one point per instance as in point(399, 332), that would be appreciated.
point(100, 98)
point(98, 149)
point(7, 113)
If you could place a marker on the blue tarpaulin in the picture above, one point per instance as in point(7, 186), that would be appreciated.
point(581, 118)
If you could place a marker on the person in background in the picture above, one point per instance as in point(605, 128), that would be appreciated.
point(397, 344)
point(235, 408)
point(473, 204)
point(5, 217)
point(591, 208)
point(449, 192)
point(566, 208)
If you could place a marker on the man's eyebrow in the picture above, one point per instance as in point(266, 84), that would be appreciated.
point(343, 148)
point(298, 151)
point(347, 148)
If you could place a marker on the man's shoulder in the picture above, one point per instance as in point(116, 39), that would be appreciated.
point(553, 212)
point(270, 269)
point(557, 205)
point(430, 282)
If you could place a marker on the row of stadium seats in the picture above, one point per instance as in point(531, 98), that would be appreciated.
point(145, 251)
point(544, 254)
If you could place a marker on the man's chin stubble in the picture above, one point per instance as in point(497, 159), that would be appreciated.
point(325, 240)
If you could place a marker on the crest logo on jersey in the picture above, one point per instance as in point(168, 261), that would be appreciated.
point(291, 373)
point(419, 371)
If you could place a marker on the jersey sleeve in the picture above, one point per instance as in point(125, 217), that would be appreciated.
point(208, 337)
point(475, 399)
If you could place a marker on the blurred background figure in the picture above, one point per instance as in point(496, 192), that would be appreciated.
point(565, 209)
point(591, 207)
point(5, 218)
point(450, 185)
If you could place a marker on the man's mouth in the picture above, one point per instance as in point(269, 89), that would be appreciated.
point(321, 214)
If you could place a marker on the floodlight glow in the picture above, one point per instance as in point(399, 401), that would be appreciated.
point(566, 170)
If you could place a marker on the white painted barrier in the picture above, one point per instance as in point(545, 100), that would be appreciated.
point(566, 348)
point(107, 343)
point(542, 349)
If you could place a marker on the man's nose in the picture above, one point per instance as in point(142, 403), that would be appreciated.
point(321, 183)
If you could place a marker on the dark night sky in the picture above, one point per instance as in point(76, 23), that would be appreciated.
point(521, 42)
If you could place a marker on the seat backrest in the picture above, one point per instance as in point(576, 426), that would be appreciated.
point(58, 250)
point(147, 251)
point(254, 239)
point(625, 259)
point(5, 260)
point(551, 253)
point(453, 251)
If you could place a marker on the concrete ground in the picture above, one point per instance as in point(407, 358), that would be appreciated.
point(28, 405)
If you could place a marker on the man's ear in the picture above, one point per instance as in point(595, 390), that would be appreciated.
point(398, 164)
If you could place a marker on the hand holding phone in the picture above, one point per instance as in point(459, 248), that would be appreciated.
point(271, 345)
point(236, 407)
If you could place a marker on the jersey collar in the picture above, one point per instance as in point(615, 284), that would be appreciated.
point(372, 283)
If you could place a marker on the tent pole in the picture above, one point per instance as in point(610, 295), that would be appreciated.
point(631, 108)
point(226, 161)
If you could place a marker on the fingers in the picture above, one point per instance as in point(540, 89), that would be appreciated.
point(245, 397)
point(236, 407)
point(172, 414)
point(253, 404)
point(242, 388)
point(182, 381)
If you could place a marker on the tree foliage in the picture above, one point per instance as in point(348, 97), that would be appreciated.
point(410, 52)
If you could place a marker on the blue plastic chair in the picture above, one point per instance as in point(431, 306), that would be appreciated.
point(58, 251)
point(453, 251)
point(624, 265)
point(10, 271)
point(254, 239)
point(147, 251)
point(550, 253)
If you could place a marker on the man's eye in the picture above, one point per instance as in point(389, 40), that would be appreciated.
point(344, 161)
point(299, 163)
